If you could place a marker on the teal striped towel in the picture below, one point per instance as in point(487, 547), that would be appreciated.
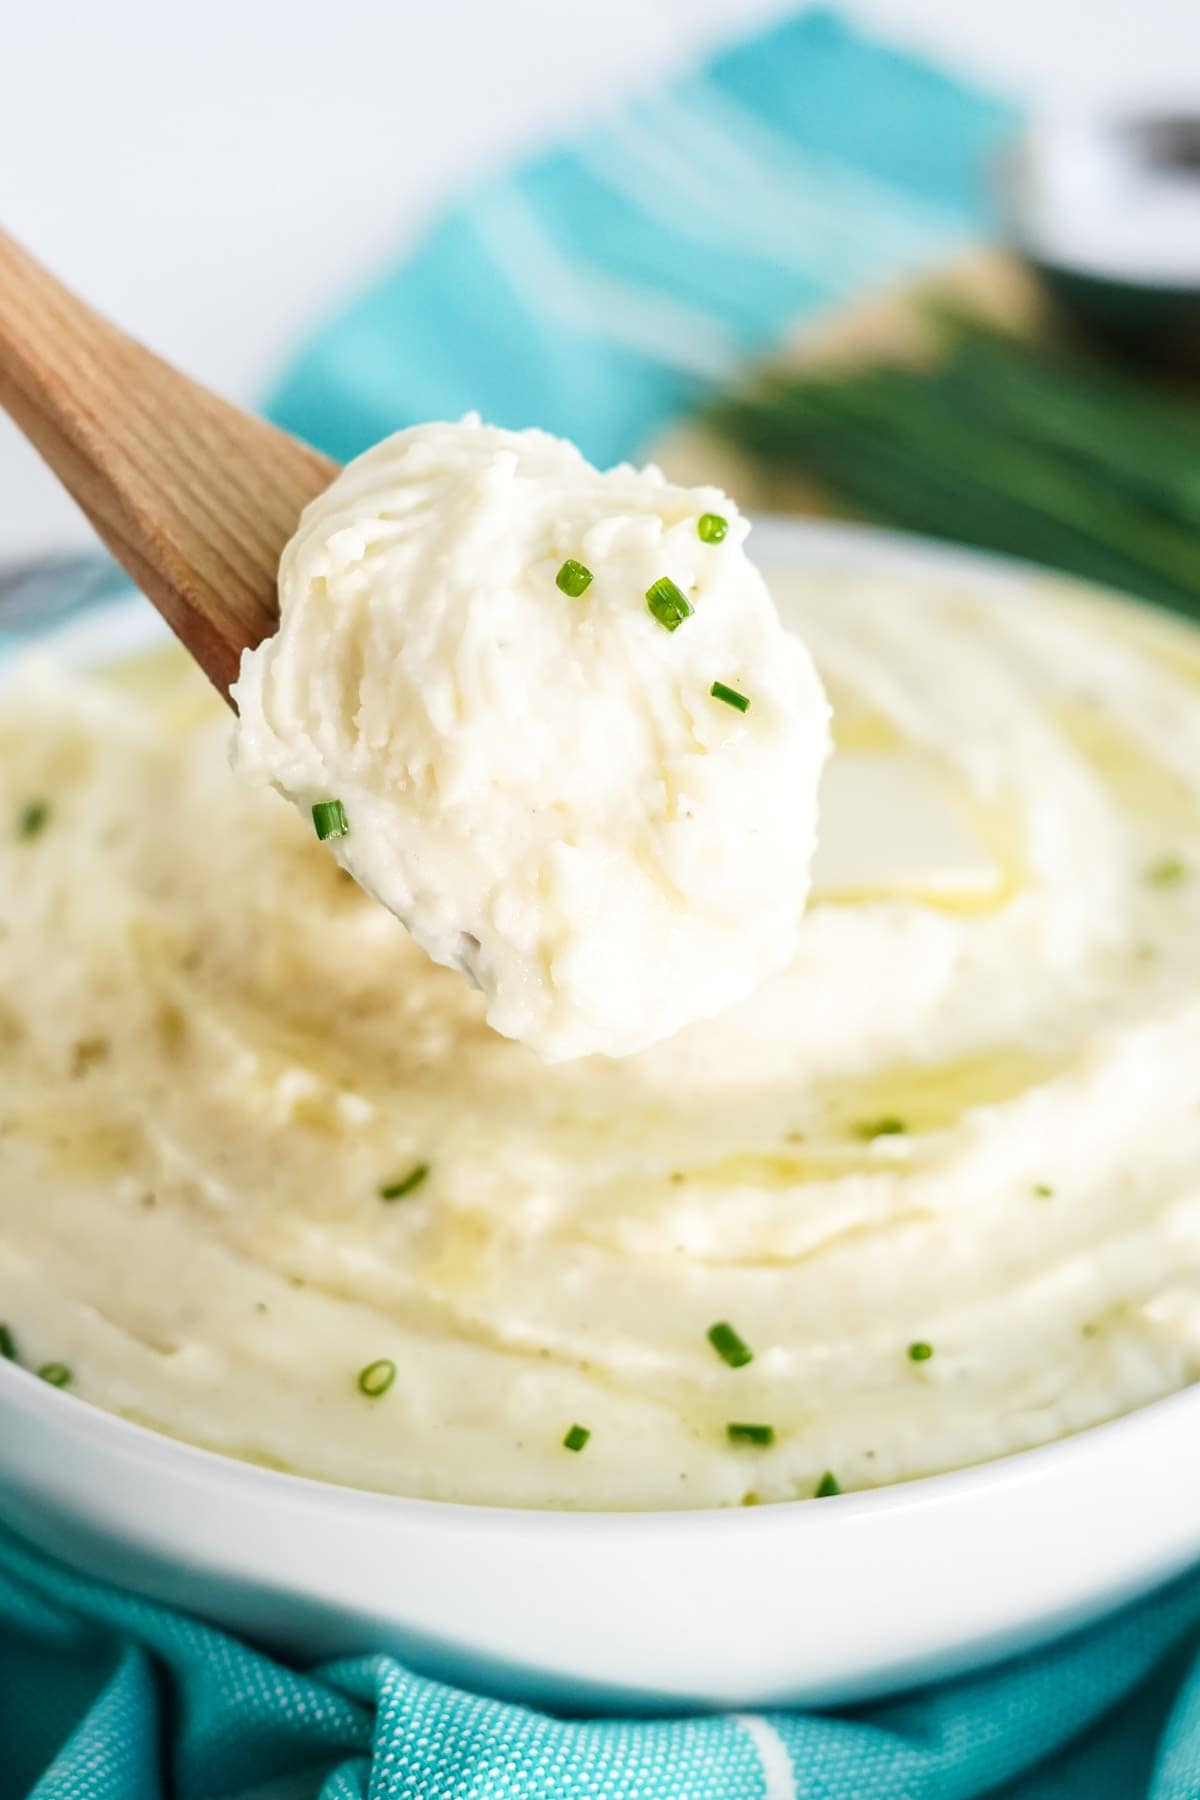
point(603, 288)
point(599, 291)
point(105, 1697)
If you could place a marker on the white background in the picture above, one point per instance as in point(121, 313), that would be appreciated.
point(214, 175)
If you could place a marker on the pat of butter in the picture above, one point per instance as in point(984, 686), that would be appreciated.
point(892, 825)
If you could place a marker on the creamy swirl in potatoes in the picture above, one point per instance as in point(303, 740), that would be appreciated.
point(271, 1184)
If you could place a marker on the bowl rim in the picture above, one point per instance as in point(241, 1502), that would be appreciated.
point(870, 549)
point(112, 1434)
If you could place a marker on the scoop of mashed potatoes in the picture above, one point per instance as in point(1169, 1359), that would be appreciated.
point(558, 724)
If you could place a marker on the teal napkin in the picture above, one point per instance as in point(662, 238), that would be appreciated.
point(601, 290)
point(106, 1697)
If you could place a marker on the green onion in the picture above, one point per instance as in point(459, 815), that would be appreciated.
point(329, 819)
point(576, 1438)
point(396, 1190)
point(827, 1486)
point(729, 1346)
point(377, 1378)
point(1166, 872)
point(711, 528)
point(730, 696)
point(750, 1434)
point(573, 578)
point(1001, 443)
point(32, 820)
point(869, 1129)
point(57, 1374)
point(920, 1352)
point(8, 1344)
point(668, 604)
point(1043, 1190)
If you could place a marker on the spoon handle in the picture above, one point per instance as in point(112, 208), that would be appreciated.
point(195, 498)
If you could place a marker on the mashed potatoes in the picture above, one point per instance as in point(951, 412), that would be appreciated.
point(564, 734)
point(941, 1178)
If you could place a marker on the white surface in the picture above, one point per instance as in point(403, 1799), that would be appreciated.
point(214, 178)
point(815, 1600)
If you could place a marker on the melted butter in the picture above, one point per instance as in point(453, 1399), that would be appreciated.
point(317, 1110)
point(774, 1171)
point(249, 1453)
point(897, 822)
point(167, 685)
point(935, 1097)
point(897, 825)
point(855, 727)
point(922, 1099)
point(1140, 785)
point(79, 1141)
point(1170, 642)
point(58, 763)
point(458, 1263)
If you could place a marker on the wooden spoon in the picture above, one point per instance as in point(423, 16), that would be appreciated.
point(195, 498)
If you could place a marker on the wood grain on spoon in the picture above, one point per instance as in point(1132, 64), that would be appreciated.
point(195, 498)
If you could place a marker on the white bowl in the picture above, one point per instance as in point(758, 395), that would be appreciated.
point(813, 1602)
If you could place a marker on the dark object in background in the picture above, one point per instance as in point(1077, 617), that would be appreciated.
point(1025, 448)
point(1107, 212)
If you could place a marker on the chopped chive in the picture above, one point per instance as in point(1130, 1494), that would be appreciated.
point(711, 528)
point(573, 578)
point(750, 1434)
point(729, 1346)
point(576, 1438)
point(827, 1486)
point(377, 1378)
point(668, 603)
point(57, 1374)
point(876, 1128)
point(920, 1352)
point(8, 1344)
point(32, 820)
point(730, 696)
point(329, 819)
point(396, 1190)
point(1043, 1190)
point(1166, 871)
